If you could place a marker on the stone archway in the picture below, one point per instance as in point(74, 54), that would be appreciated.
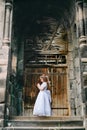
point(40, 36)
point(43, 34)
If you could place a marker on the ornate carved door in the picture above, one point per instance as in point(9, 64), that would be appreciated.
point(58, 87)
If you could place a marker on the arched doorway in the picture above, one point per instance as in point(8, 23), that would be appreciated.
point(45, 47)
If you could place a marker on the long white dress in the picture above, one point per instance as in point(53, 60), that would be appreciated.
point(42, 105)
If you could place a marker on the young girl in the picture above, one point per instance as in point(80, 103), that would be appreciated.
point(42, 105)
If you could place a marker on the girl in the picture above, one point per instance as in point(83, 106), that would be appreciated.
point(42, 105)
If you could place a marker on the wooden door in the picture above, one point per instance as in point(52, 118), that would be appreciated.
point(58, 87)
point(60, 104)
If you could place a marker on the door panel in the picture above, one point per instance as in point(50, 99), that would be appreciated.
point(59, 91)
point(58, 87)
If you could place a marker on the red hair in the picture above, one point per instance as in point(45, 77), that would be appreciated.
point(44, 78)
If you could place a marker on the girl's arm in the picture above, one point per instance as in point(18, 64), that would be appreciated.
point(40, 88)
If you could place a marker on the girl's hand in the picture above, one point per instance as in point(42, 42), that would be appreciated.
point(38, 85)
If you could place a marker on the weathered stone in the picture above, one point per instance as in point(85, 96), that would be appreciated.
point(3, 75)
point(4, 52)
point(84, 76)
point(2, 9)
point(2, 107)
point(3, 68)
point(70, 64)
point(77, 61)
point(84, 60)
point(71, 74)
point(3, 62)
point(70, 56)
point(1, 123)
point(2, 83)
point(2, 95)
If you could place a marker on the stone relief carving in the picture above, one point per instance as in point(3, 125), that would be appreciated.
point(57, 42)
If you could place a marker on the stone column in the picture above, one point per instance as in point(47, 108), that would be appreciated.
point(81, 39)
point(5, 58)
point(79, 7)
point(2, 62)
point(7, 23)
point(85, 16)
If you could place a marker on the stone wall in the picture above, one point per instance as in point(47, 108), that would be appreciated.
point(81, 28)
point(71, 74)
point(74, 65)
point(77, 61)
point(75, 97)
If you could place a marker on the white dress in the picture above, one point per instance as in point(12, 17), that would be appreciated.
point(42, 105)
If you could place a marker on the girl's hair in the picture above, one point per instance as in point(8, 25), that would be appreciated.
point(44, 78)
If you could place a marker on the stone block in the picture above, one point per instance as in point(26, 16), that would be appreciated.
point(3, 75)
point(78, 75)
point(79, 111)
point(1, 115)
point(71, 74)
point(84, 79)
point(3, 61)
point(4, 52)
point(78, 101)
point(1, 123)
point(2, 83)
point(2, 95)
point(70, 47)
point(72, 103)
point(2, 9)
point(84, 67)
point(70, 63)
point(71, 86)
point(73, 113)
point(2, 105)
point(70, 56)
point(77, 62)
point(84, 59)
point(3, 68)
point(75, 87)
point(72, 94)
point(85, 93)
point(83, 51)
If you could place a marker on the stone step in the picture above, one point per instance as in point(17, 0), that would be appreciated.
point(46, 123)
point(44, 128)
point(46, 118)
